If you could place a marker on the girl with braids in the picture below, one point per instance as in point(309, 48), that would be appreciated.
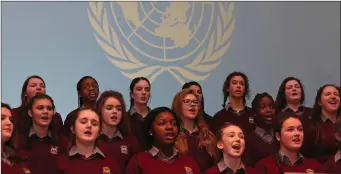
point(290, 98)
point(326, 111)
point(115, 138)
point(139, 98)
point(261, 142)
point(32, 86)
point(43, 143)
point(333, 165)
point(84, 156)
point(11, 161)
point(195, 138)
point(195, 86)
point(231, 142)
point(87, 92)
point(289, 133)
point(236, 89)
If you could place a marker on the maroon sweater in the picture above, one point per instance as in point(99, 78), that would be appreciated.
point(257, 148)
point(65, 130)
point(333, 165)
point(22, 120)
point(120, 148)
point(200, 155)
point(145, 163)
point(244, 119)
point(271, 165)
point(14, 168)
point(326, 145)
point(42, 156)
point(95, 164)
point(137, 126)
point(248, 170)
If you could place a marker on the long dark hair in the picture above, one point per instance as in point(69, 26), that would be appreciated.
point(55, 136)
point(226, 86)
point(280, 98)
point(317, 110)
point(13, 142)
point(24, 100)
point(79, 88)
point(72, 138)
point(132, 85)
point(124, 125)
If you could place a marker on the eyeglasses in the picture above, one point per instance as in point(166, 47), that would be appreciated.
point(93, 85)
point(191, 102)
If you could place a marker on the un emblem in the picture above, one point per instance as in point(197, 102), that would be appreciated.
point(185, 39)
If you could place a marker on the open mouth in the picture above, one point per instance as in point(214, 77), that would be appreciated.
point(45, 118)
point(143, 98)
point(333, 101)
point(113, 117)
point(268, 118)
point(170, 135)
point(191, 110)
point(92, 94)
point(236, 146)
point(88, 132)
point(294, 94)
point(296, 140)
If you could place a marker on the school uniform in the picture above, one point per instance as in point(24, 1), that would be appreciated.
point(22, 120)
point(199, 155)
point(309, 129)
point(208, 120)
point(244, 118)
point(279, 164)
point(327, 144)
point(223, 168)
point(333, 165)
point(42, 154)
point(65, 130)
point(120, 148)
point(74, 162)
point(259, 144)
point(154, 161)
point(9, 167)
point(137, 127)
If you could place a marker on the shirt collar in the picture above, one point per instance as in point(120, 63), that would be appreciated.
point(325, 119)
point(284, 159)
point(222, 166)
point(73, 151)
point(33, 132)
point(132, 111)
point(287, 108)
point(156, 153)
point(229, 108)
point(185, 131)
point(117, 134)
point(264, 134)
point(337, 156)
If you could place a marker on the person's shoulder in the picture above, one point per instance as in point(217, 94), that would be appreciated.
point(256, 170)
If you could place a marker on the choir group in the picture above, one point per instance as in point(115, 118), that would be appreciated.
point(103, 136)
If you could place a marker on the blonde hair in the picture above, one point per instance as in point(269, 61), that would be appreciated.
point(207, 139)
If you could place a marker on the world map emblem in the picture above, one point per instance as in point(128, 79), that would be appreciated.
point(185, 39)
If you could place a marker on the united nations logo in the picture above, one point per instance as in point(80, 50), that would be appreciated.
point(185, 39)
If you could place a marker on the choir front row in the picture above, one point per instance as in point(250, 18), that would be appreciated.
point(177, 140)
point(101, 136)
